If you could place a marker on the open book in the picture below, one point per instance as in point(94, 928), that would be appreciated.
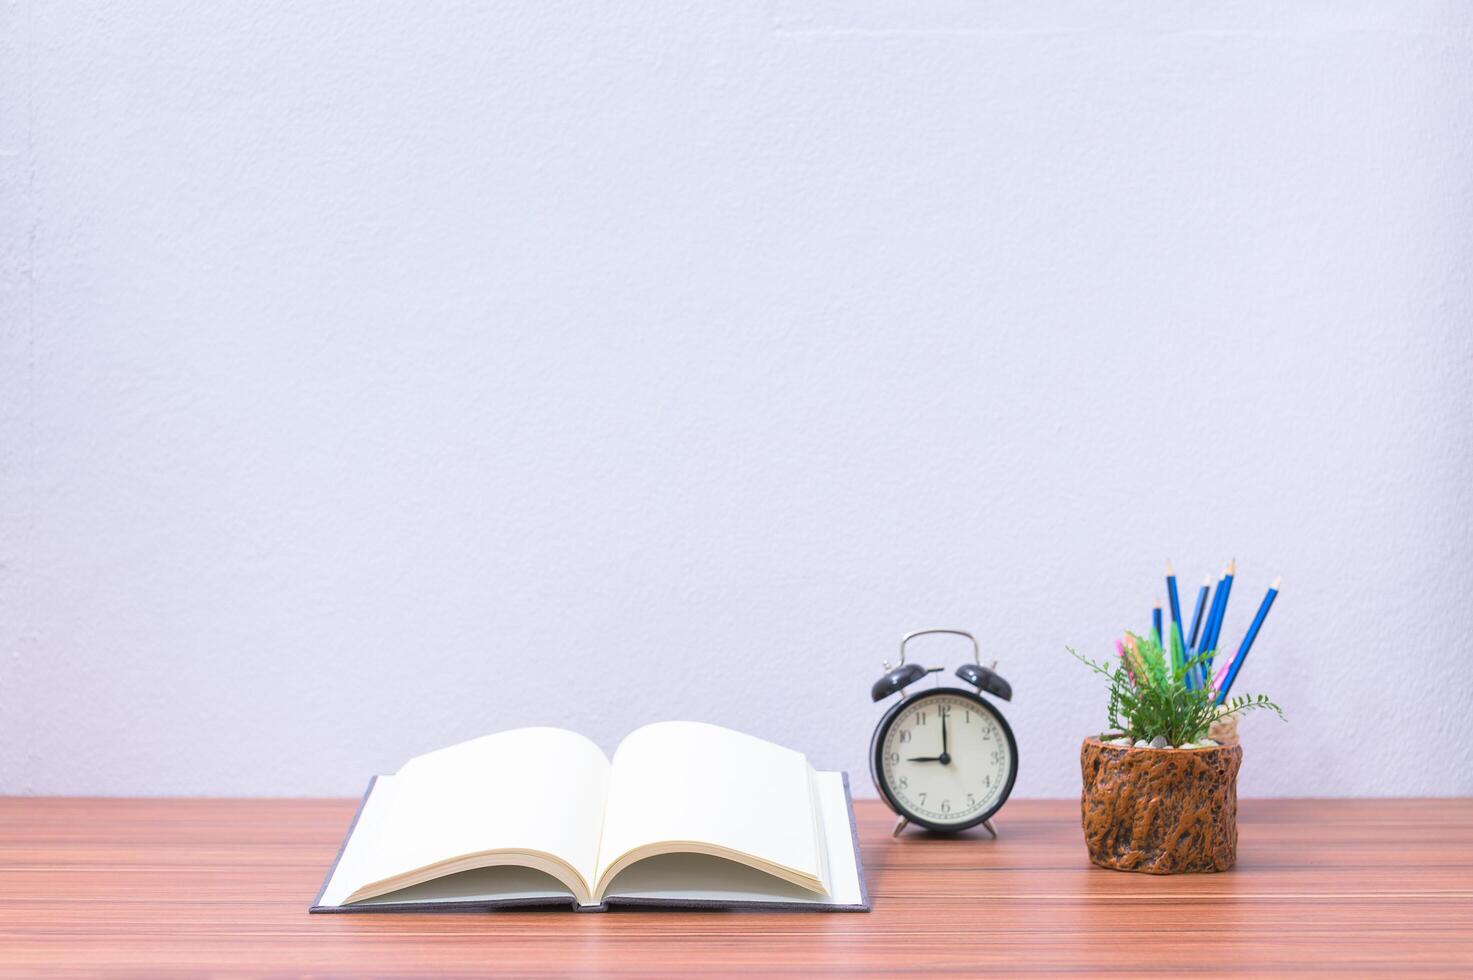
point(684, 814)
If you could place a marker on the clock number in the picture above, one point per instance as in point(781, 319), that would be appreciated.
point(971, 783)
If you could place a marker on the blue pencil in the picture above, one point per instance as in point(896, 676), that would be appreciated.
point(1247, 644)
point(1206, 636)
point(1227, 592)
point(1201, 606)
point(1156, 621)
point(1214, 609)
point(1197, 677)
point(1180, 649)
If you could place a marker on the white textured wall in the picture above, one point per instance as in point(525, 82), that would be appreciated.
point(373, 377)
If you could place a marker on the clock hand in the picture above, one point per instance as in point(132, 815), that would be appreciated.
point(945, 756)
point(924, 758)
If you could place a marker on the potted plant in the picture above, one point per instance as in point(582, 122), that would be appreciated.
point(1160, 796)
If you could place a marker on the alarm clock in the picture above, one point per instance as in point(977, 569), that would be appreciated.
point(943, 758)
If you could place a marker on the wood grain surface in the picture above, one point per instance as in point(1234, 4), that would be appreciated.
point(185, 887)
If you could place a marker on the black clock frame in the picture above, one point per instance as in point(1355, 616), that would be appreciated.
point(877, 742)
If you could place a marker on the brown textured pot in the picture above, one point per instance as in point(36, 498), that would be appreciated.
point(1161, 811)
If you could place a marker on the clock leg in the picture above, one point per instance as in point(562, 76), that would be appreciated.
point(990, 828)
point(902, 824)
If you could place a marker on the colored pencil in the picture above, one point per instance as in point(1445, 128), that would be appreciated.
point(1198, 615)
point(1201, 607)
point(1178, 649)
point(1132, 654)
point(1227, 592)
point(1120, 649)
point(1224, 590)
point(1213, 607)
point(1214, 615)
point(1224, 687)
point(1221, 674)
point(1156, 621)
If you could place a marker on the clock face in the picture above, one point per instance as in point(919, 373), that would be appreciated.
point(946, 759)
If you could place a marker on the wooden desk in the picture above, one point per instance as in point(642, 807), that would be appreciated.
point(191, 886)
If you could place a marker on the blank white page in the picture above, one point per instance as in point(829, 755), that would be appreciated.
point(680, 783)
point(537, 790)
point(702, 879)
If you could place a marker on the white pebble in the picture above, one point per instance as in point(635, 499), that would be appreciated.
point(1159, 742)
point(1207, 743)
point(1121, 741)
point(1142, 744)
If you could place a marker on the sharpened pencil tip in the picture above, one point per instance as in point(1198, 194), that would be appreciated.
point(1233, 567)
point(1206, 581)
point(1275, 586)
point(1168, 567)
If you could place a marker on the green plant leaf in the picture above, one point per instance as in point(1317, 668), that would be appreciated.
point(1152, 698)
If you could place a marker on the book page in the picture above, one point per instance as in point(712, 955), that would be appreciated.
point(503, 885)
point(532, 796)
point(696, 879)
point(692, 787)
